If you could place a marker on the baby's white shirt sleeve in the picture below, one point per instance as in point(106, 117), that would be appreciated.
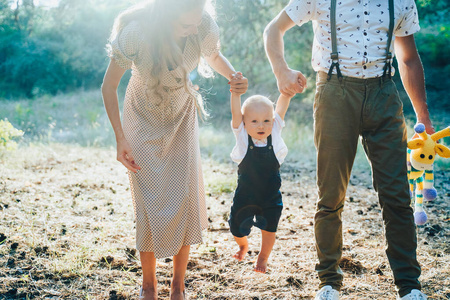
point(279, 147)
point(240, 149)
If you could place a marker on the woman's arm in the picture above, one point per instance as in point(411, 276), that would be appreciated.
point(220, 64)
point(109, 91)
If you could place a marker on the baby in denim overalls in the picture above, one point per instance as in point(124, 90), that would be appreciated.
point(259, 151)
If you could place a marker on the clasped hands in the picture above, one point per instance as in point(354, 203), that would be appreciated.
point(238, 83)
point(290, 82)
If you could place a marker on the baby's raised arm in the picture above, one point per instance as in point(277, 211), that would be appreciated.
point(282, 105)
point(236, 114)
point(238, 86)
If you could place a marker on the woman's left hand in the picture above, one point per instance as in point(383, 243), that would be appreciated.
point(238, 83)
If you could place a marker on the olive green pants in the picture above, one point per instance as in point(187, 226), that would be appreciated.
point(343, 111)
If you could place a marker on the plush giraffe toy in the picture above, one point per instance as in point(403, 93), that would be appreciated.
point(421, 154)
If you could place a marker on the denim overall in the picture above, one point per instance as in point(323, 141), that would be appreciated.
point(257, 199)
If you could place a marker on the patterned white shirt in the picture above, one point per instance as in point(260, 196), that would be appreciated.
point(361, 32)
point(279, 147)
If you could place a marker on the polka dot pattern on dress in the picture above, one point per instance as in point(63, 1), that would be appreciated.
point(162, 130)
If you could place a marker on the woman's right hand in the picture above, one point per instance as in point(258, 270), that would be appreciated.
point(238, 84)
point(125, 155)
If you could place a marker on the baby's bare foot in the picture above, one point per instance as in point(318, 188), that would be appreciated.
point(241, 253)
point(261, 265)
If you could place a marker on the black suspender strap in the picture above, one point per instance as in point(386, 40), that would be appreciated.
point(334, 52)
point(387, 70)
point(387, 66)
point(250, 142)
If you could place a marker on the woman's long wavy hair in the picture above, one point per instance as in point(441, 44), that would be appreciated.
point(157, 17)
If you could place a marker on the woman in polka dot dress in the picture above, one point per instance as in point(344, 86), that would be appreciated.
point(162, 41)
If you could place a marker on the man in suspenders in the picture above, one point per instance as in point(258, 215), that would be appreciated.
point(355, 96)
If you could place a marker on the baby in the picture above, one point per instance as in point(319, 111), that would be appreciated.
point(259, 151)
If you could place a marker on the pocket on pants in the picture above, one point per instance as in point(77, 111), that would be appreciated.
point(393, 104)
point(320, 89)
point(329, 96)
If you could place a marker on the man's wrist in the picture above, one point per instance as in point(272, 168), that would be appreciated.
point(423, 115)
point(280, 69)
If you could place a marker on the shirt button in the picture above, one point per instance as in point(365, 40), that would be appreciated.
point(365, 33)
point(366, 13)
point(364, 67)
point(365, 53)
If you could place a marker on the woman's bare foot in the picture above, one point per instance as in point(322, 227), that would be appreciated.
point(148, 294)
point(177, 295)
point(241, 253)
point(261, 265)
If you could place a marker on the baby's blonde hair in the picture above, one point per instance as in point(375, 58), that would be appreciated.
point(256, 100)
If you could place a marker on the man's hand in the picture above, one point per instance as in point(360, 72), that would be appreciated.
point(428, 125)
point(291, 82)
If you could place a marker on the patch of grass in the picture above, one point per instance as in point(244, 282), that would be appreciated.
point(80, 118)
point(216, 143)
point(71, 118)
point(7, 134)
point(221, 177)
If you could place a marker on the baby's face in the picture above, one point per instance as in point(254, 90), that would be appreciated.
point(258, 121)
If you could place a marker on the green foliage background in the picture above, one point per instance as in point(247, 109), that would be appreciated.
point(52, 62)
point(47, 51)
point(61, 49)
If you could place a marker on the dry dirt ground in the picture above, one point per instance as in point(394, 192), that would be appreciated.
point(67, 232)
